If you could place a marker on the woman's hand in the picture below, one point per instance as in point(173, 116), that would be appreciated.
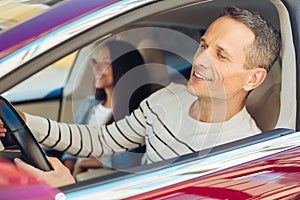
point(59, 176)
point(69, 163)
point(2, 129)
point(84, 165)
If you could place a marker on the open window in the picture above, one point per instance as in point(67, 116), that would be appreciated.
point(272, 105)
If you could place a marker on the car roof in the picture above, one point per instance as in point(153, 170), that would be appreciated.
point(55, 18)
point(13, 13)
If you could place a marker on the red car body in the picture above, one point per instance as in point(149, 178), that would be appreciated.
point(18, 185)
point(274, 177)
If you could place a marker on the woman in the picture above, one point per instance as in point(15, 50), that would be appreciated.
point(110, 62)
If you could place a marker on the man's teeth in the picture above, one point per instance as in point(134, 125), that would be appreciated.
point(201, 76)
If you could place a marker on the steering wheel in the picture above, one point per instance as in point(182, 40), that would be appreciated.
point(18, 134)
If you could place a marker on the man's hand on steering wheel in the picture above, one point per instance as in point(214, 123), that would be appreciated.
point(59, 176)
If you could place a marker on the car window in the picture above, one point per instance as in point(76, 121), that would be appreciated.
point(42, 83)
point(166, 61)
point(176, 53)
point(176, 50)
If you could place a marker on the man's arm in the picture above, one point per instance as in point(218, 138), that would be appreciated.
point(89, 141)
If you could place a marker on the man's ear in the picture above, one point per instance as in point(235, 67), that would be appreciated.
point(255, 78)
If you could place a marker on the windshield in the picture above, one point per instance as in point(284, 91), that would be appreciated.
point(13, 12)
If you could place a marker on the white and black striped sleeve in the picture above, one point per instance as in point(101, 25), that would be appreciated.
point(85, 140)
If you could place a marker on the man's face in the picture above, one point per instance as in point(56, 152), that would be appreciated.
point(218, 66)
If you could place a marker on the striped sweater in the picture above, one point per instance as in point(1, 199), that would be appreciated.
point(162, 122)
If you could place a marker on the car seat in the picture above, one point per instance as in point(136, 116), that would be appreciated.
point(154, 59)
point(263, 103)
point(273, 104)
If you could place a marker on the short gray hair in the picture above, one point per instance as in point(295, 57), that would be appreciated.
point(265, 49)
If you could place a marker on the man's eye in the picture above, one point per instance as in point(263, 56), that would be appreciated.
point(221, 56)
point(203, 46)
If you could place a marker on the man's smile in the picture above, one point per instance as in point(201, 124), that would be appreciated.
point(201, 76)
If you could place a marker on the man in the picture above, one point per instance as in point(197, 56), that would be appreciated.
point(233, 58)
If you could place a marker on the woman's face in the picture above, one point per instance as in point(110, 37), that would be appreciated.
point(102, 68)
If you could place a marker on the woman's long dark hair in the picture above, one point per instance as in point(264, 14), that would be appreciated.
point(124, 58)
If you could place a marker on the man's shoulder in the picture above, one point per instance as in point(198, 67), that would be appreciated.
point(177, 87)
point(171, 91)
point(173, 88)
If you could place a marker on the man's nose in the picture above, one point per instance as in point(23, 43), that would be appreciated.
point(203, 59)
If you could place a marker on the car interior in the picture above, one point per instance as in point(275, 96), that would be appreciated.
point(267, 104)
point(272, 105)
point(259, 102)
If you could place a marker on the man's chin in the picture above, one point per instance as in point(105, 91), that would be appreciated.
point(191, 89)
point(198, 90)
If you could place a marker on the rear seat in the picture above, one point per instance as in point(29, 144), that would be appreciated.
point(154, 59)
